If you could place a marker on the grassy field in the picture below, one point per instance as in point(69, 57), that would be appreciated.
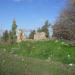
point(37, 58)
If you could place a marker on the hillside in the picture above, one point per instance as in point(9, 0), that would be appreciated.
point(54, 50)
point(37, 58)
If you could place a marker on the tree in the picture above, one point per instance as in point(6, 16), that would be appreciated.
point(45, 28)
point(14, 27)
point(31, 36)
point(5, 36)
point(11, 37)
point(39, 30)
point(65, 26)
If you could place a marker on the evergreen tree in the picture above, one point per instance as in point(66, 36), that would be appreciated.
point(39, 30)
point(10, 36)
point(45, 28)
point(31, 36)
point(5, 36)
point(14, 27)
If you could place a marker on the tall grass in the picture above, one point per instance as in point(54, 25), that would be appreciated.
point(37, 58)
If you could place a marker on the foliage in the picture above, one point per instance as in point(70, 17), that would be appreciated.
point(65, 26)
point(31, 36)
point(37, 57)
point(5, 36)
point(56, 50)
point(13, 32)
point(10, 36)
point(12, 64)
point(45, 28)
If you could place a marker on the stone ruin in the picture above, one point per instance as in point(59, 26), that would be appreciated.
point(37, 36)
point(20, 35)
point(40, 36)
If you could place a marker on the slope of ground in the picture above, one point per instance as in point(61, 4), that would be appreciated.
point(52, 50)
point(11, 64)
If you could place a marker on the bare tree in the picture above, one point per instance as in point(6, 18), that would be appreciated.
point(65, 26)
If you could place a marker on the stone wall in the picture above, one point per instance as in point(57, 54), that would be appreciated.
point(40, 36)
point(20, 35)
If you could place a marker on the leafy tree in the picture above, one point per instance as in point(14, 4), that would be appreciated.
point(31, 36)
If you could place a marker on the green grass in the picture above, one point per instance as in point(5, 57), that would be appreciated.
point(11, 64)
point(37, 58)
point(55, 50)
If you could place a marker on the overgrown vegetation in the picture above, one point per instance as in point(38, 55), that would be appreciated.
point(55, 50)
point(37, 58)
point(44, 57)
point(9, 36)
point(44, 28)
point(64, 27)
